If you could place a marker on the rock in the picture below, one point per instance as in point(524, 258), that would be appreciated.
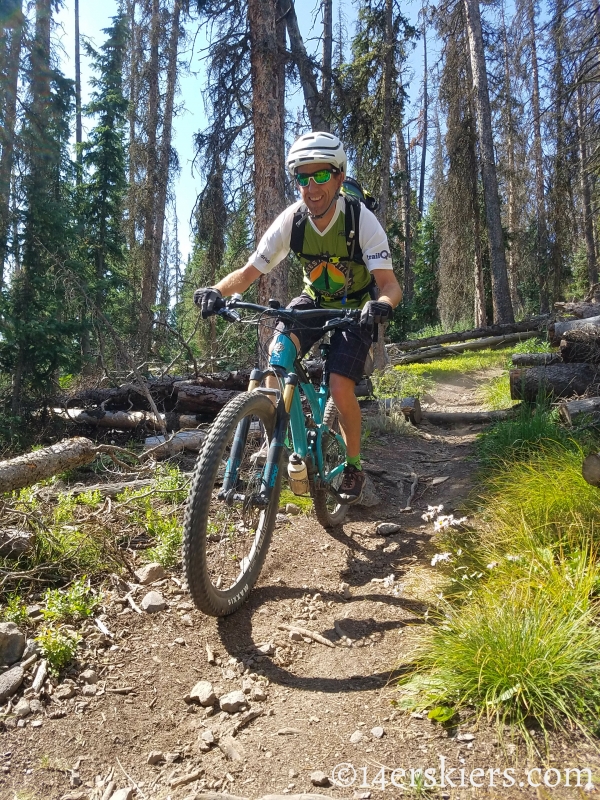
point(57, 713)
point(22, 709)
point(12, 643)
point(369, 497)
point(203, 693)
point(345, 591)
point(150, 573)
point(155, 757)
point(122, 794)
point(89, 690)
point(64, 692)
point(208, 736)
point(357, 737)
point(266, 648)
point(187, 620)
point(153, 602)
point(36, 706)
point(293, 773)
point(89, 676)
point(233, 701)
point(465, 737)
point(16, 542)
point(247, 685)
point(10, 682)
point(295, 636)
point(292, 508)
point(258, 694)
point(319, 778)
point(288, 731)
point(34, 612)
point(387, 528)
point(377, 732)
point(32, 648)
point(232, 749)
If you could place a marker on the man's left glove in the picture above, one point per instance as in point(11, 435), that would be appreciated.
point(206, 299)
point(374, 313)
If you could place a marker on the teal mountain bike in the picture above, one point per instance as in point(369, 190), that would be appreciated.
point(234, 496)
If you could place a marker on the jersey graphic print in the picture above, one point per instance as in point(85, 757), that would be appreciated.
point(328, 276)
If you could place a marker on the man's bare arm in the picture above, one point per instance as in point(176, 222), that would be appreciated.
point(389, 288)
point(238, 281)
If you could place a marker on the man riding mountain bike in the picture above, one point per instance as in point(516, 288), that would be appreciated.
point(346, 262)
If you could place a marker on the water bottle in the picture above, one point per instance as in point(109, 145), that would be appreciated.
point(297, 474)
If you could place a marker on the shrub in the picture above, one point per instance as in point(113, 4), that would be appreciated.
point(76, 602)
point(58, 646)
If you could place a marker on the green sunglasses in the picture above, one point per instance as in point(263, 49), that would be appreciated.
point(320, 176)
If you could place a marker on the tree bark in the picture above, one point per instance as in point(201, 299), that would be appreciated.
point(554, 382)
point(78, 126)
point(7, 132)
point(575, 410)
point(308, 76)
point(33, 467)
point(430, 353)
point(503, 311)
point(327, 58)
point(269, 195)
point(534, 324)
point(586, 199)
point(425, 116)
point(582, 310)
point(149, 273)
point(581, 346)
point(558, 330)
point(535, 359)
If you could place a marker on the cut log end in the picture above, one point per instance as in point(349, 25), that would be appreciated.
point(591, 469)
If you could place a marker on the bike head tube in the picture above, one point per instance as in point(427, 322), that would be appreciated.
point(283, 352)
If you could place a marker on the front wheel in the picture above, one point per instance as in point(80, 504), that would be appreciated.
point(328, 510)
point(226, 532)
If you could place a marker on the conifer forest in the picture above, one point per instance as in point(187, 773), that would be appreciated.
point(476, 125)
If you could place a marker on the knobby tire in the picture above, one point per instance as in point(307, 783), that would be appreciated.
point(327, 510)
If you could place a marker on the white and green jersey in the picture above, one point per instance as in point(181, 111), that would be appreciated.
point(329, 272)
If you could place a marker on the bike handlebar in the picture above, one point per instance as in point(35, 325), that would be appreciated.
point(226, 309)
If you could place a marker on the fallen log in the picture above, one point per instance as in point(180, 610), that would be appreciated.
point(579, 309)
point(120, 420)
point(30, 468)
point(191, 398)
point(481, 344)
point(535, 359)
point(183, 440)
point(533, 324)
point(558, 329)
point(467, 417)
point(573, 410)
point(590, 469)
point(556, 381)
point(581, 346)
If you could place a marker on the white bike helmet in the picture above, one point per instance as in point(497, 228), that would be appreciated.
point(315, 148)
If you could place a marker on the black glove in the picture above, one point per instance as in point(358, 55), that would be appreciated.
point(206, 299)
point(374, 313)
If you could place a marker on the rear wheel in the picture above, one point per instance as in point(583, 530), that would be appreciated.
point(329, 511)
point(227, 534)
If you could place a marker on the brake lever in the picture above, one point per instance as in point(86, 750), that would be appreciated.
point(229, 314)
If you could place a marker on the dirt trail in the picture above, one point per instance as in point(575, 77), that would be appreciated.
point(318, 706)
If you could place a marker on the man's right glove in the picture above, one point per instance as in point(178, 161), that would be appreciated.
point(374, 313)
point(206, 299)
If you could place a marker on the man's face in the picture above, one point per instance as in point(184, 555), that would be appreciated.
point(318, 197)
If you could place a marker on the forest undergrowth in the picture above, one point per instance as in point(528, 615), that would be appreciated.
point(517, 636)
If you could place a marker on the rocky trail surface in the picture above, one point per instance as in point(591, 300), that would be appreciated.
point(165, 702)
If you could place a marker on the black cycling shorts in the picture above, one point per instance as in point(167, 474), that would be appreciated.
point(349, 348)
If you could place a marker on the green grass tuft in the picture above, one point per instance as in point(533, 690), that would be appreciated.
point(74, 603)
point(519, 437)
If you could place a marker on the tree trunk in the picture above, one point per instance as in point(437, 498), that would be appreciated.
point(430, 353)
point(33, 467)
point(581, 310)
point(538, 159)
point(534, 324)
point(558, 330)
point(269, 195)
point(308, 77)
point(327, 58)
point(503, 311)
point(7, 133)
point(132, 202)
point(586, 199)
point(535, 359)
point(425, 116)
point(511, 176)
point(149, 273)
point(581, 346)
point(162, 183)
point(556, 381)
point(78, 128)
point(404, 221)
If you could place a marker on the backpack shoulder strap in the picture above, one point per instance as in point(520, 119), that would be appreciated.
point(297, 235)
point(352, 218)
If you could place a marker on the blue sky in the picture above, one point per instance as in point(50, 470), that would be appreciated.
point(95, 16)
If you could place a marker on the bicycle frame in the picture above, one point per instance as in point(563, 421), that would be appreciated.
point(285, 365)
